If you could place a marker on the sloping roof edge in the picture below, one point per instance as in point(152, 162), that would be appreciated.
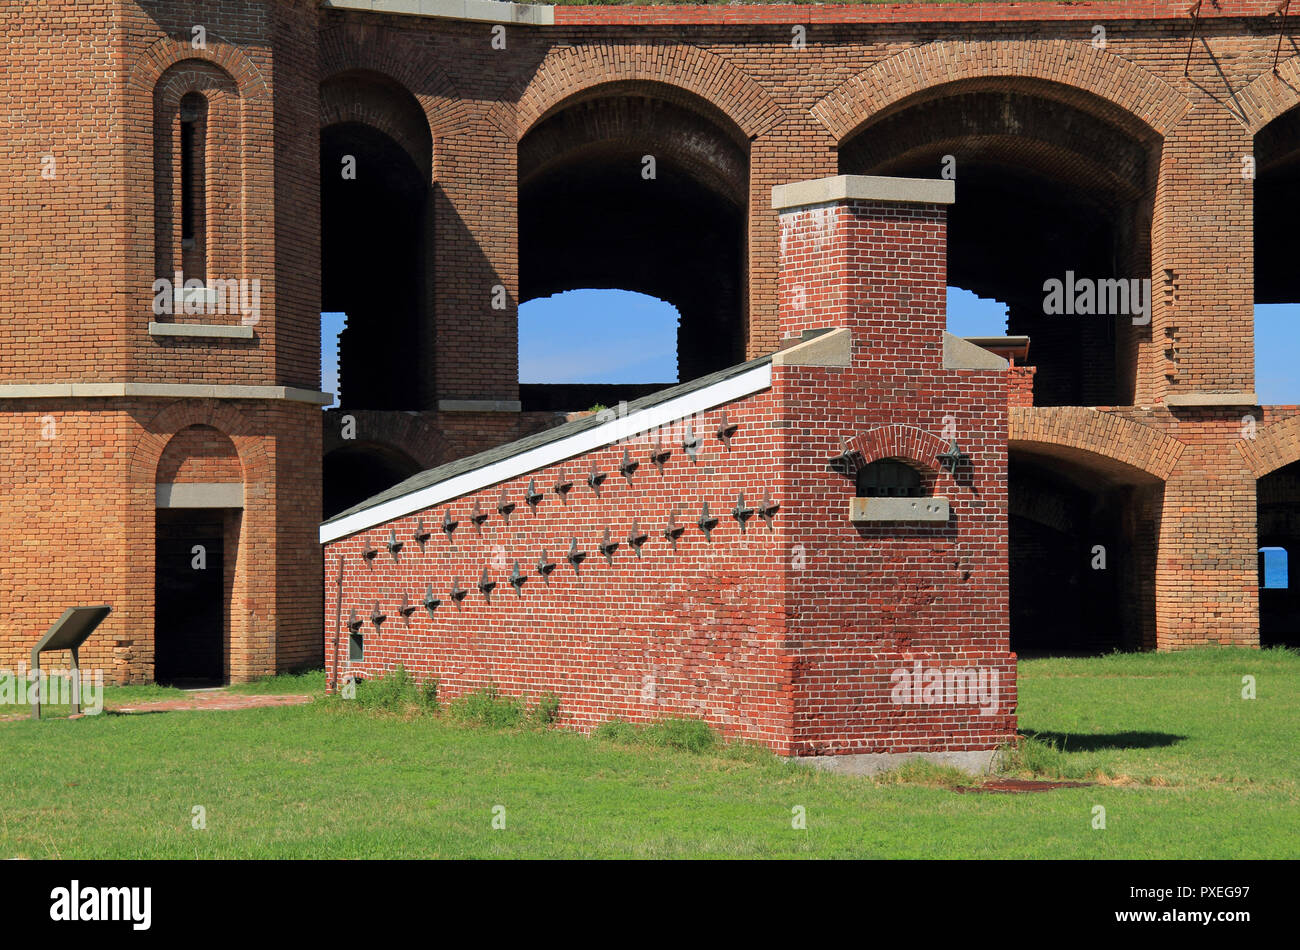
point(475, 472)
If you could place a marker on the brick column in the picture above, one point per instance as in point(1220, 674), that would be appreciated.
point(882, 591)
point(1207, 583)
point(795, 149)
point(476, 347)
point(1202, 332)
point(870, 254)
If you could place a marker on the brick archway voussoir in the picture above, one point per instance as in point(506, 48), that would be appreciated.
point(390, 55)
point(572, 70)
point(412, 435)
point(1270, 95)
point(1103, 434)
point(1105, 75)
point(167, 51)
point(163, 426)
point(1273, 447)
point(899, 441)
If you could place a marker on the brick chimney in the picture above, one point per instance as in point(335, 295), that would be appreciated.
point(869, 254)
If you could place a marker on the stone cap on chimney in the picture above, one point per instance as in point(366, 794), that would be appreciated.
point(863, 188)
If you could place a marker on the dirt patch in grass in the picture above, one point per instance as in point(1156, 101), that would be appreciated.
point(1018, 785)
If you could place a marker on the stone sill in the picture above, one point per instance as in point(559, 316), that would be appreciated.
point(1212, 399)
point(479, 405)
point(210, 331)
point(898, 509)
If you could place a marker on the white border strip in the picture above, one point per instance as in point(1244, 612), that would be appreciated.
point(745, 384)
point(487, 11)
point(164, 390)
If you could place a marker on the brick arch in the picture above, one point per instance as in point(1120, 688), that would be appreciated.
point(195, 75)
point(1117, 81)
point(570, 71)
point(1270, 95)
point(167, 51)
point(1273, 447)
point(1110, 439)
point(224, 121)
point(160, 429)
point(200, 453)
point(899, 441)
point(412, 435)
point(391, 55)
point(379, 102)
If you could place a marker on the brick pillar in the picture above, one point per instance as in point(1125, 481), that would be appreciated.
point(876, 591)
point(1207, 583)
point(795, 149)
point(869, 254)
point(1202, 255)
point(475, 346)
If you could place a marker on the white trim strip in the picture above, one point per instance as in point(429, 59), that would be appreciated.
point(162, 390)
point(487, 11)
point(728, 390)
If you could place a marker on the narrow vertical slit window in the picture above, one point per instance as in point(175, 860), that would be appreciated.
point(193, 173)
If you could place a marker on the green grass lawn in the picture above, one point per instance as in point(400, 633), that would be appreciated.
point(1186, 769)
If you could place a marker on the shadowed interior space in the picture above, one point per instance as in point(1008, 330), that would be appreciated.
point(640, 188)
point(1277, 501)
point(1050, 180)
point(1083, 536)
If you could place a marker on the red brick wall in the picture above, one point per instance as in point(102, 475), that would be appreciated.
point(873, 598)
point(1020, 381)
point(692, 631)
point(789, 635)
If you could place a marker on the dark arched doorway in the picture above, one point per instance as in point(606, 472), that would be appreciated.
point(354, 473)
point(641, 188)
point(1052, 183)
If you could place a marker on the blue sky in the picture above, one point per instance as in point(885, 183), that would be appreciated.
point(618, 336)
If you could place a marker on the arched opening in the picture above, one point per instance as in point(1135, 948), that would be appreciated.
point(1277, 248)
point(971, 315)
point(193, 134)
point(583, 348)
point(1053, 184)
point(359, 471)
point(199, 500)
point(1083, 539)
point(1277, 500)
point(376, 159)
point(641, 188)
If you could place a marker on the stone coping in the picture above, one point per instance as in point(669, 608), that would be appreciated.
point(820, 191)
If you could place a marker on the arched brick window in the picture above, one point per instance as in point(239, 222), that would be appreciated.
point(197, 158)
